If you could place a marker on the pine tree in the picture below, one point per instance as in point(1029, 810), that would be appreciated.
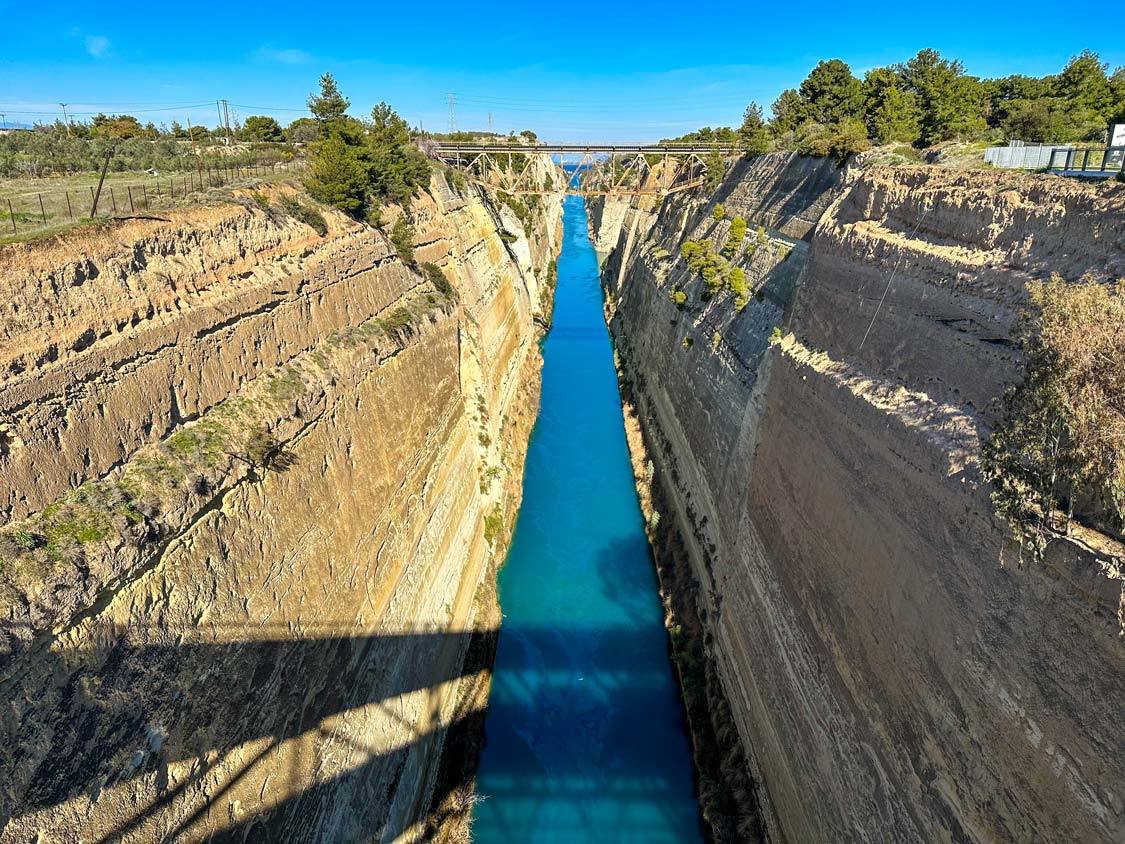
point(831, 93)
point(952, 103)
point(261, 128)
point(890, 113)
point(397, 166)
point(753, 134)
point(329, 105)
point(788, 112)
point(1085, 86)
point(336, 175)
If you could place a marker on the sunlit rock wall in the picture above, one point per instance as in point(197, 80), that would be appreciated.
point(253, 477)
point(891, 679)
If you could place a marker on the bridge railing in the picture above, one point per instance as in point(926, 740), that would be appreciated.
point(1088, 160)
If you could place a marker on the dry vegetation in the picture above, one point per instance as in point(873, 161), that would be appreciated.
point(1059, 453)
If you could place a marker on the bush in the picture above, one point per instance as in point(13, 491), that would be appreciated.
point(1060, 447)
point(402, 238)
point(718, 213)
point(306, 214)
point(738, 228)
point(736, 282)
point(439, 281)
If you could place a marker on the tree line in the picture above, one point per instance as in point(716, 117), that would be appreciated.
point(929, 100)
point(119, 127)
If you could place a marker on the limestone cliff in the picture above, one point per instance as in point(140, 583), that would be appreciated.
point(253, 477)
point(889, 678)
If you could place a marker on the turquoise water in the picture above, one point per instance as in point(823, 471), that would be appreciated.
point(584, 736)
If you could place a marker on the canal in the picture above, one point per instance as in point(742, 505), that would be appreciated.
point(585, 739)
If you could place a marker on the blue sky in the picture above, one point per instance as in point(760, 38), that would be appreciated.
point(588, 71)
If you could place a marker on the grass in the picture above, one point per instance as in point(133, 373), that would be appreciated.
point(493, 526)
point(150, 195)
point(306, 214)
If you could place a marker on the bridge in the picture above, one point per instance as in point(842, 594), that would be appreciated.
point(599, 169)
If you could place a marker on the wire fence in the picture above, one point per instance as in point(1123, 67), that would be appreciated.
point(25, 211)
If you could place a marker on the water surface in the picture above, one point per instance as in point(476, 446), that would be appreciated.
point(584, 737)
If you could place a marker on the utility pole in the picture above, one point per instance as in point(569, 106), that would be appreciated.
point(64, 120)
point(490, 123)
point(191, 135)
point(226, 119)
point(4, 118)
point(452, 112)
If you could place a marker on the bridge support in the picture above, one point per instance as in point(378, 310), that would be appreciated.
point(601, 170)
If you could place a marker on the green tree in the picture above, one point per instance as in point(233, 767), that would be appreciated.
point(831, 93)
point(328, 106)
point(178, 131)
point(1117, 96)
point(715, 168)
point(261, 128)
point(336, 175)
point(397, 168)
point(1084, 85)
point(788, 112)
point(753, 134)
point(952, 103)
point(116, 127)
point(890, 112)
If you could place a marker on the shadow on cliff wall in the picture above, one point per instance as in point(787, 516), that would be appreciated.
point(790, 196)
point(227, 712)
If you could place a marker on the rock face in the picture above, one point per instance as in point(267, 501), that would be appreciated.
point(253, 477)
point(890, 677)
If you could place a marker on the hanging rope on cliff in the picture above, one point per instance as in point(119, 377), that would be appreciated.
point(887, 289)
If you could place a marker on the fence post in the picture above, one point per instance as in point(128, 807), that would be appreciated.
point(172, 187)
point(144, 192)
point(132, 208)
point(113, 199)
point(12, 215)
point(69, 210)
point(42, 210)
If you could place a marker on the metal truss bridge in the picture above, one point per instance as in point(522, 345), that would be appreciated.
point(598, 169)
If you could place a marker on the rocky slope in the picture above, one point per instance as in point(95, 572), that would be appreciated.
point(253, 477)
point(889, 676)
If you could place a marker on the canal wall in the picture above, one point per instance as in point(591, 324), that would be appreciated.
point(252, 477)
point(829, 551)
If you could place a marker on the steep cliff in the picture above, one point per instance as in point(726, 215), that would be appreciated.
point(821, 505)
point(253, 477)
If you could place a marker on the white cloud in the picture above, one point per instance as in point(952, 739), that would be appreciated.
point(97, 45)
point(290, 56)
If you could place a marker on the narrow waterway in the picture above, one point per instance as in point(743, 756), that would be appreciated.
point(584, 737)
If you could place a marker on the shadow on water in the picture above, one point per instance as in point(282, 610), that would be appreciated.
point(239, 704)
point(616, 566)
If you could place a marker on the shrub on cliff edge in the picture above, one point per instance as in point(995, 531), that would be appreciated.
point(1059, 450)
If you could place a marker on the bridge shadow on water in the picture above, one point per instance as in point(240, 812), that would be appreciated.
point(306, 739)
